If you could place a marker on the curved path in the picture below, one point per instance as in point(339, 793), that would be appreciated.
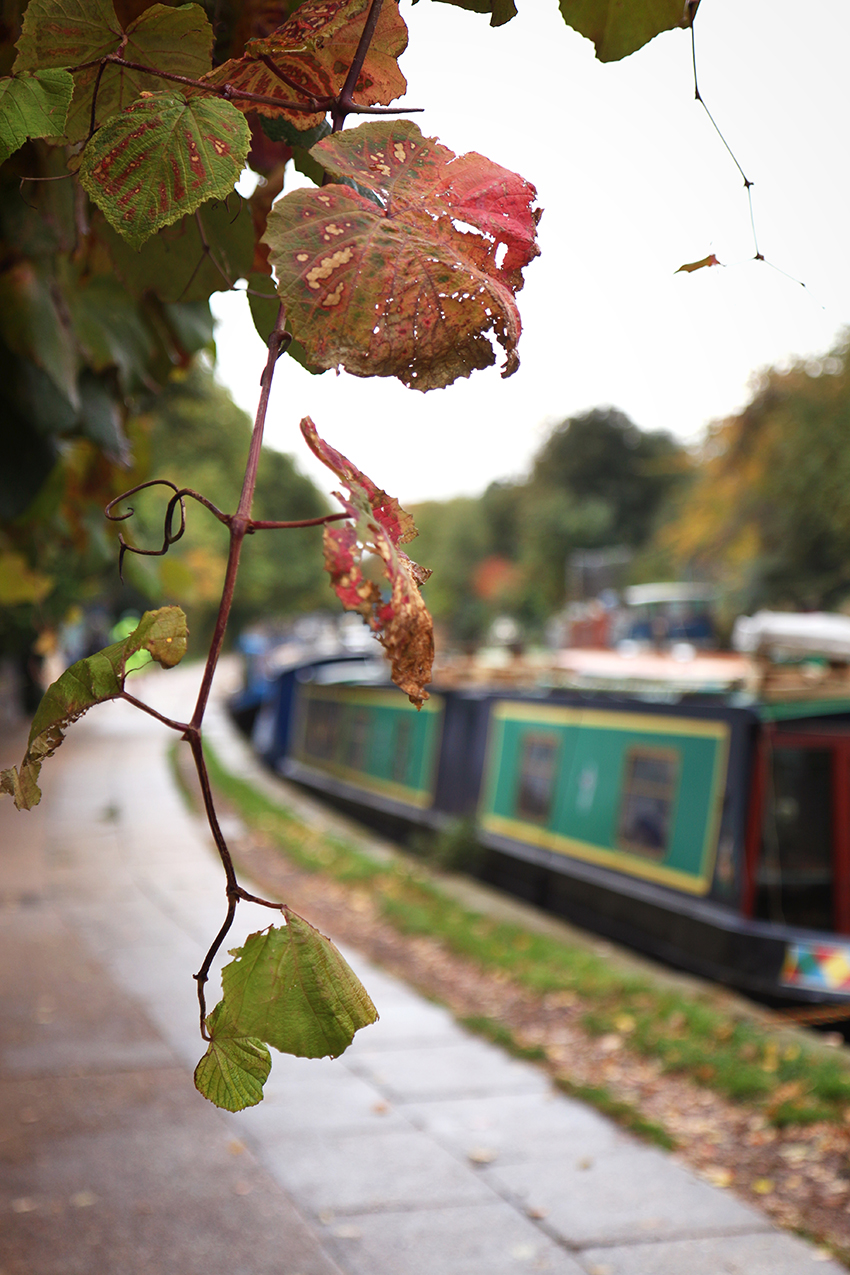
point(422, 1151)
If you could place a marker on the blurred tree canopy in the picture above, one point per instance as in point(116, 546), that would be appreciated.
point(597, 481)
point(768, 515)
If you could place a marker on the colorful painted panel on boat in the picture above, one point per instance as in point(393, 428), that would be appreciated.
point(821, 967)
point(641, 793)
point(372, 738)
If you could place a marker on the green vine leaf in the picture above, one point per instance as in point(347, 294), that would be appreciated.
point(290, 988)
point(404, 276)
point(378, 523)
point(234, 1069)
point(162, 158)
point(314, 50)
point(618, 29)
point(32, 104)
point(67, 33)
point(94, 680)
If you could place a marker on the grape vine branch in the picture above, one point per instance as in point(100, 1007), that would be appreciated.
point(403, 260)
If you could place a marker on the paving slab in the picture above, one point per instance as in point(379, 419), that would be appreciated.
point(515, 1128)
point(630, 1192)
point(400, 1168)
point(765, 1254)
point(461, 1067)
point(485, 1239)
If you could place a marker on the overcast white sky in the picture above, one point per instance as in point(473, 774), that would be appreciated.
point(634, 182)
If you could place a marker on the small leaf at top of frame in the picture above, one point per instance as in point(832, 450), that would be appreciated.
point(500, 11)
point(618, 29)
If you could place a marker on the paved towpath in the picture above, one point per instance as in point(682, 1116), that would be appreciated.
point(421, 1150)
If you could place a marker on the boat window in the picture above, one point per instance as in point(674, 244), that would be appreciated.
point(321, 729)
point(649, 790)
point(401, 753)
point(537, 776)
point(795, 871)
point(358, 740)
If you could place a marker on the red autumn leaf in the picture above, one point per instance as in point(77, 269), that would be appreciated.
point(417, 279)
point(378, 525)
point(313, 52)
point(690, 266)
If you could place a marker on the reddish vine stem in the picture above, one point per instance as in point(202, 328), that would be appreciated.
point(240, 521)
point(344, 104)
point(239, 525)
point(263, 525)
point(146, 708)
point(229, 93)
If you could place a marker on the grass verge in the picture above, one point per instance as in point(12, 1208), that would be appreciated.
point(788, 1080)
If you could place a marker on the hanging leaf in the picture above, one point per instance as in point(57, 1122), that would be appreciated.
point(618, 29)
point(314, 51)
point(91, 681)
point(290, 988)
point(690, 266)
point(234, 1069)
point(204, 252)
point(67, 33)
point(411, 273)
point(32, 104)
point(161, 158)
point(403, 624)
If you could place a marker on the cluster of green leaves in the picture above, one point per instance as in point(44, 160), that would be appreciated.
point(597, 481)
point(789, 1080)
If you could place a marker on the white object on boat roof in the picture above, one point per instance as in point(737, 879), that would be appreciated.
point(818, 633)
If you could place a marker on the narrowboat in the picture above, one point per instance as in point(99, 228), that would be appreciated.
point(695, 807)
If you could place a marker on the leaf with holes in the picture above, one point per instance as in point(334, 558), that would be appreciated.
point(618, 29)
point(413, 273)
point(32, 104)
point(378, 524)
point(308, 58)
point(91, 681)
point(235, 1067)
point(162, 158)
point(290, 988)
point(67, 33)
